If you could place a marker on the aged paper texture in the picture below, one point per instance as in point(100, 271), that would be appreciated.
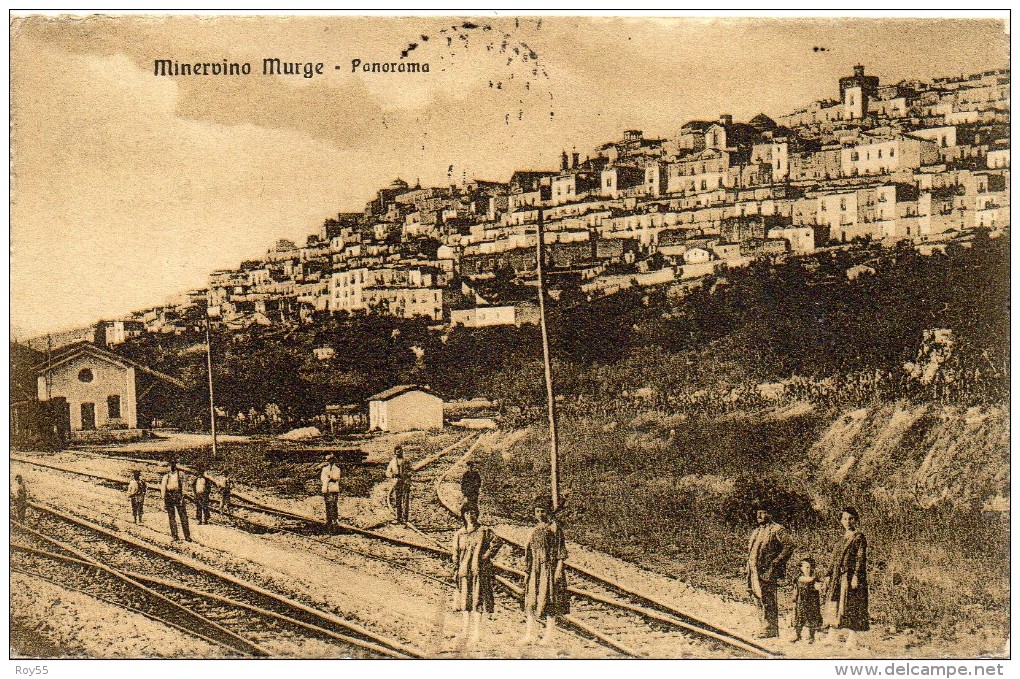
point(510, 337)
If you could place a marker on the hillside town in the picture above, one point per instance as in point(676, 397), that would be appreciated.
point(923, 162)
point(723, 389)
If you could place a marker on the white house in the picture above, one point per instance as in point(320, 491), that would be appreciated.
point(882, 155)
point(102, 389)
point(697, 256)
point(998, 158)
point(480, 317)
point(800, 238)
point(403, 408)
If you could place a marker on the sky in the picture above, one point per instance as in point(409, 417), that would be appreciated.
point(128, 188)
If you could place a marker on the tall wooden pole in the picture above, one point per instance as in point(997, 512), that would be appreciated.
point(554, 469)
point(49, 368)
point(212, 399)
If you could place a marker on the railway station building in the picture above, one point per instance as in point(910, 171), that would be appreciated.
point(98, 389)
point(405, 407)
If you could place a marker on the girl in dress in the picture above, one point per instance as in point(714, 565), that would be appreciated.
point(807, 601)
point(474, 547)
point(848, 586)
point(545, 592)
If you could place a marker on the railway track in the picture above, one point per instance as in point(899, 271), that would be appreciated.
point(273, 623)
point(630, 622)
point(632, 619)
point(427, 473)
point(627, 630)
point(251, 516)
point(123, 591)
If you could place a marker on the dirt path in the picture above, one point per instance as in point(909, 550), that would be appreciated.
point(741, 616)
point(415, 610)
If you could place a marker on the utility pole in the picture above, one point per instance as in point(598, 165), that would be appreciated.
point(554, 469)
point(49, 370)
point(212, 399)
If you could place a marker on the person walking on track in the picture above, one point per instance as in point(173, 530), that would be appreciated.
point(401, 470)
point(474, 547)
point(545, 590)
point(171, 487)
point(330, 480)
point(136, 494)
point(203, 490)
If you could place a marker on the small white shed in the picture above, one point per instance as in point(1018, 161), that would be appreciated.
point(403, 408)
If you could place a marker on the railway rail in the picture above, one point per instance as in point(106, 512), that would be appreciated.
point(626, 620)
point(198, 589)
point(601, 595)
point(120, 589)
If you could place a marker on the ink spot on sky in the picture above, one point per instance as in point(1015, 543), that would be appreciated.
point(520, 59)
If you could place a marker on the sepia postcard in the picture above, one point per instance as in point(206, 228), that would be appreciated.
point(499, 336)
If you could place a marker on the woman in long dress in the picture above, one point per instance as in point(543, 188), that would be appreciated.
point(848, 584)
point(474, 547)
point(545, 593)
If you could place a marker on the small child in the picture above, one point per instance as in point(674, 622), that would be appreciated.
point(807, 601)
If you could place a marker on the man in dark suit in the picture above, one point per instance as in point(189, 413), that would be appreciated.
point(769, 548)
point(471, 485)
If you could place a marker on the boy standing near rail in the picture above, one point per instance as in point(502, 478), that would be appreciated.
point(171, 487)
point(136, 494)
point(471, 484)
point(203, 490)
point(807, 600)
point(226, 490)
point(19, 497)
point(330, 480)
point(474, 547)
point(401, 470)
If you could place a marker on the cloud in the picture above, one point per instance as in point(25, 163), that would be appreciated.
point(128, 187)
point(119, 202)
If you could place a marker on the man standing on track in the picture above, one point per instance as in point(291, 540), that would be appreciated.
point(330, 479)
point(203, 490)
point(471, 484)
point(401, 470)
point(136, 494)
point(768, 551)
point(226, 489)
point(19, 497)
point(171, 487)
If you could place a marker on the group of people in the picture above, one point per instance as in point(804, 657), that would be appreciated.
point(475, 546)
point(770, 548)
point(545, 589)
point(171, 489)
point(845, 584)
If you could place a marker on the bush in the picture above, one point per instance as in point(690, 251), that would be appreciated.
point(787, 506)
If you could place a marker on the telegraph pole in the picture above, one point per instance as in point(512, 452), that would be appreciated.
point(554, 469)
point(49, 368)
point(212, 399)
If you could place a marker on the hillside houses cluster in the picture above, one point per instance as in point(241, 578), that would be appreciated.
point(917, 161)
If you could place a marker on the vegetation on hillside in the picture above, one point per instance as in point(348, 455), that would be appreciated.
point(803, 321)
point(886, 388)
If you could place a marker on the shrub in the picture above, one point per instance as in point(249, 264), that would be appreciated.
point(787, 506)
